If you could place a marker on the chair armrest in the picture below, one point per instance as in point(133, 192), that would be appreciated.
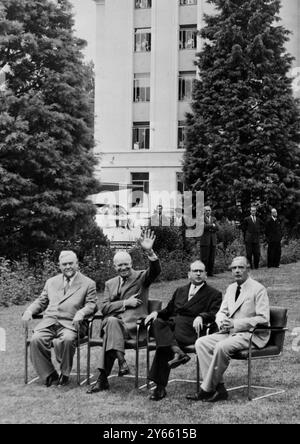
point(267, 328)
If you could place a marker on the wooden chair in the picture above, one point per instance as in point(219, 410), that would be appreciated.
point(273, 349)
point(81, 341)
point(131, 344)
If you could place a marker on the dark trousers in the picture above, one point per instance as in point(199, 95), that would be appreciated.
point(207, 254)
point(253, 251)
point(164, 333)
point(274, 254)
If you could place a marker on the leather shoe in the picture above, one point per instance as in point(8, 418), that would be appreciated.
point(123, 369)
point(52, 379)
point(101, 384)
point(63, 380)
point(218, 396)
point(178, 360)
point(199, 396)
point(158, 393)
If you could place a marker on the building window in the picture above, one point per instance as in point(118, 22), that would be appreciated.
point(141, 184)
point(186, 85)
point(140, 136)
point(142, 4)
point(142, 39)
point(187, 2)
point(181, 135)
point(188, 37)
point(141, 87)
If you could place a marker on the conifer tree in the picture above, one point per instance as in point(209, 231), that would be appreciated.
point(242, 140)
point(46, 120)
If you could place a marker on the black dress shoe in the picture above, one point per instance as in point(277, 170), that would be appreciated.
point(123, 369)
point(178, 360)
point(199, 396)
point(101, 384)
point(158, 393)
point(63, 380)
point(218, 396)
point(52, 379)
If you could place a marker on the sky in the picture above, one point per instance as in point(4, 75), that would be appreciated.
point(85, 24)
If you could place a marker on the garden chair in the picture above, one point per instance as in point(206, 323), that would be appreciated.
point(273, 349)
point(81, 341)
point(131, 344)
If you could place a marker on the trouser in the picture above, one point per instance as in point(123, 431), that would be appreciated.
point(114, 335)
point(64, 342)
point(274, 254)
point(165, 335)
point(214, 352)
point(253, 249)
point(207, 254)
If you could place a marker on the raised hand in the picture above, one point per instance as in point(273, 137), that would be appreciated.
point(147, 240)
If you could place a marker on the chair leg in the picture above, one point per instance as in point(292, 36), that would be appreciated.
point(26, 357)
point(78, 363)
point(88, 364)
point(137, 367)
point(198, 374)
point(249, 377)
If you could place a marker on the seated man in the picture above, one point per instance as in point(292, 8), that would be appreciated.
point(245, 305)
point(68, 299)
point(125, 301)
point(177, 325)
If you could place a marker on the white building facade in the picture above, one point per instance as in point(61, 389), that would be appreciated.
point(144, 72)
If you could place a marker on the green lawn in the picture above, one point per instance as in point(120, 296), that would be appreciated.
point(123, 404)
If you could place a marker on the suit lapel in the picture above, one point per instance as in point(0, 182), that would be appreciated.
point(196, 296)
point(235, 305)
point(76, 284)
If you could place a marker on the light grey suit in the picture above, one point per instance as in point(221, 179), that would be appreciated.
point(56, 324)
point(250, 309)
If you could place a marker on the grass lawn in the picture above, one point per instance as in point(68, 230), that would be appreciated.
point(124, 405)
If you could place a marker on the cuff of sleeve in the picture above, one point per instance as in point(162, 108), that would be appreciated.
point(152, 257)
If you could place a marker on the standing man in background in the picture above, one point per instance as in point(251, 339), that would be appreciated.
point(274, 236)
point(252, 227)
point(208, 241)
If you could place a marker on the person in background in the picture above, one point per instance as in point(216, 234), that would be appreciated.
point(208, 241)
point(273, 232)
point(252, 228)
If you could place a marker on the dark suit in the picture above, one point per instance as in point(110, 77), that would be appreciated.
point(174, 325)
point(120, 324)
point(208, 243)
point(274, 234)
point(252, 233)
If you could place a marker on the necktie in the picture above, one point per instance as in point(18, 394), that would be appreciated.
point(193, 291)
point(67, 286)
point(237, 293)
point(254, 219)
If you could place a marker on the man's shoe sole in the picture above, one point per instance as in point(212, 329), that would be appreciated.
point(178, 362)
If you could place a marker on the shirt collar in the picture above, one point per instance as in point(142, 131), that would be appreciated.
point(71, 280)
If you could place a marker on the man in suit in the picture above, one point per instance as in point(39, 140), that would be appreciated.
point(208, 241)
point(190, 308)
point(245, 305)
point(125, 301)
point(252, 227)
point(68, 299)
point(274, 235)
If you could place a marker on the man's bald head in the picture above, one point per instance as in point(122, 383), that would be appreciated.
point(123, 264)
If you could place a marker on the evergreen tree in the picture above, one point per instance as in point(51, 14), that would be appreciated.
point(46, 120)
point(242, 141)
